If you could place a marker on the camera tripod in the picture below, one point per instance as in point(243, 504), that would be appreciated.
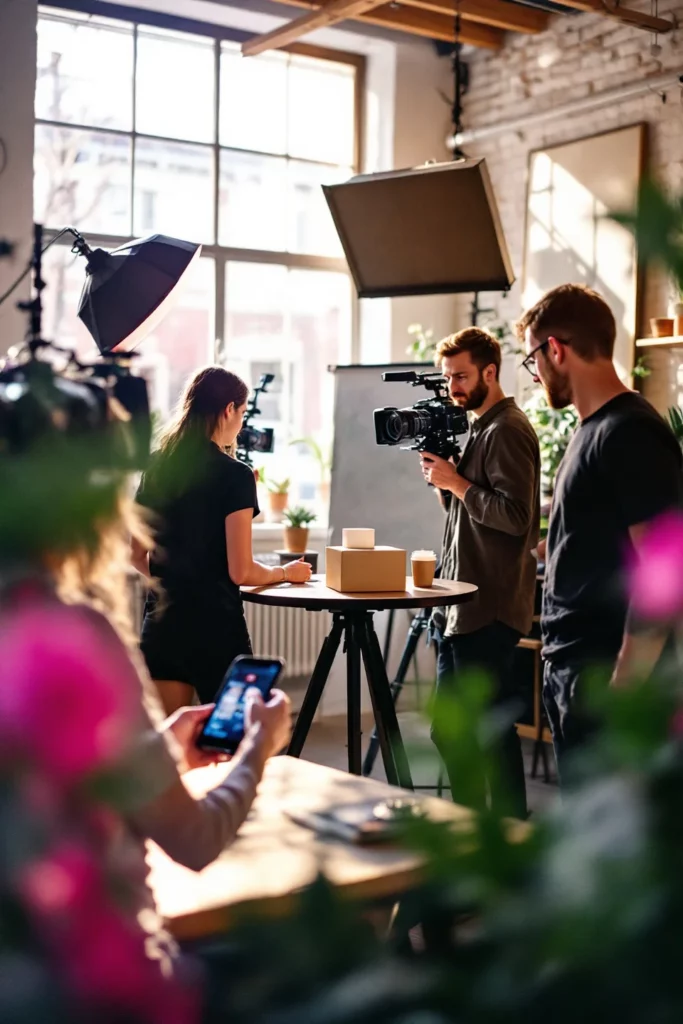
point(418, 625)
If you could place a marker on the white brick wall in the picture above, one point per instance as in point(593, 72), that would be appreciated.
point(588, 54)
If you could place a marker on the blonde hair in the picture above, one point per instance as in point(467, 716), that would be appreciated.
point(99, 574)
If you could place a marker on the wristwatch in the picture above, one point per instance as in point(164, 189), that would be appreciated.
point(284, 573)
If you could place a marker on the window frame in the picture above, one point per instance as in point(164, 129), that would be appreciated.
point(220, 254)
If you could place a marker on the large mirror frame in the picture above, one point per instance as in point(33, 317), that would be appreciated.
point(571, 189)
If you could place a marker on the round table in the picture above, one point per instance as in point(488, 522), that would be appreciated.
point(352, 618)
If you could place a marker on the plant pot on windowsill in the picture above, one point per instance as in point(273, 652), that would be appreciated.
point(296, 522)
point(278, 497)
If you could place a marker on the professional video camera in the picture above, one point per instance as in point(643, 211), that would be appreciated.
point(255, 439)
point(432, 423)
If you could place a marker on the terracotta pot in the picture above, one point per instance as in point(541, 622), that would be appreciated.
point(296, 539)
point(277, 503)
point(662, 327)
point(324, 492)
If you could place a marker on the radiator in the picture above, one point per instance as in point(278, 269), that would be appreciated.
point(290, 633)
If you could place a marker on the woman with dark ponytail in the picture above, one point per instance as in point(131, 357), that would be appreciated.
point(202, 503)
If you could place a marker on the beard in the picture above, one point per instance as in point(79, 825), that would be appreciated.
point(476, 397)
point(556, 387)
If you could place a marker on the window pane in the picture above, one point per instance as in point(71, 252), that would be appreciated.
point(175, 86)
point(321, 110)
point(82, 178)
point(174, 189)
point(85, 72)
point(64, 275)
point(310, 225)
point(293, 323)
point(253, 110)
point(253, 196)
point(184, 341)
point(320, 328)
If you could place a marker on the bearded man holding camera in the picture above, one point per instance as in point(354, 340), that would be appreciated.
point(492, 503)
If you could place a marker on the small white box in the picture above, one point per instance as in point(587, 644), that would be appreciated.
point(358, 538)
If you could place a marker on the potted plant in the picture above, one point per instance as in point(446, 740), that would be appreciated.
point(323, 456)
point(296, 522)
point(554, 429)
point(278, 496)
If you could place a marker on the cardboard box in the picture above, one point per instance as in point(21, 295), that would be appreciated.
point(358, 571)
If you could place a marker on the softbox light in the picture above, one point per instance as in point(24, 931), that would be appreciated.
point(424, 231)
point(128, 291)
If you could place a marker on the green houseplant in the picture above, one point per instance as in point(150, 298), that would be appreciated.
point(297, 520)
point(674, 417)
point(278, 494)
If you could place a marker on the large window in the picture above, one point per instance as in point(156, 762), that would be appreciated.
point(143, 129)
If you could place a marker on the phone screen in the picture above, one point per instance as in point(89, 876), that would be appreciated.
point(224, 729)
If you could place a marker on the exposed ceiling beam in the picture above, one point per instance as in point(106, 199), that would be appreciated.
point(433, 26)
point(638, 19)
point(403, 18)
point(330, 13)
point(499, 13)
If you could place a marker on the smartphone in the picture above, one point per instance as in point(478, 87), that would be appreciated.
point(224, 728)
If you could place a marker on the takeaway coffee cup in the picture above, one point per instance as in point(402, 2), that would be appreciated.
point(423, 565)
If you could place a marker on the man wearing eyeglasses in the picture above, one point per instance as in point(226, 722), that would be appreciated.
point(493, 511)
point(622, 469)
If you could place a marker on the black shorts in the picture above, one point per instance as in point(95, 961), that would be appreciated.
point(189, 643)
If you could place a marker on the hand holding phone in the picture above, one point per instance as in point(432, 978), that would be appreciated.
point(224, 728)
point(275, 718)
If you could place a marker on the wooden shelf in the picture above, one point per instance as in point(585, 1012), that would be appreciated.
point(659, 342)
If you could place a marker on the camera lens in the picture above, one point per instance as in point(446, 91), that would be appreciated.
point(395, 427)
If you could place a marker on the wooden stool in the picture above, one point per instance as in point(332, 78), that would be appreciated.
point(537, 732)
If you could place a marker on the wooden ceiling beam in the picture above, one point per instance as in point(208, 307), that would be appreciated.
point(613, 9)
point(430, 24)
point(499, 13)
point(330, 13)
point(404, 18)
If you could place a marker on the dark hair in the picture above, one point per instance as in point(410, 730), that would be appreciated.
point(206, 396)
point(483, 347)
point(578, 316)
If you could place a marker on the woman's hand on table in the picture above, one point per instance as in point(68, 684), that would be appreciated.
point(298, 572)
point(185, 725)
point(273, 720)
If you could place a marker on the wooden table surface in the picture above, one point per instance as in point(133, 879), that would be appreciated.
point(273, 857)
point(315, 596)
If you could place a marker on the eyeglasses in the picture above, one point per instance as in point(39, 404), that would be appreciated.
point(529, 363)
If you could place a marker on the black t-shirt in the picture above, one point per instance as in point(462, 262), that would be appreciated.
point(623, 466)
point(190, 555)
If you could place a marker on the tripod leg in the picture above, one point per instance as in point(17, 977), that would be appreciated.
point(316, 685)
point(390, 742)
point(387, 637)
point(353, 722)
point(417, 627)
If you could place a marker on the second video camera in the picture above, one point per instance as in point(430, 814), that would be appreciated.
point(432, 423)
point(255, 439)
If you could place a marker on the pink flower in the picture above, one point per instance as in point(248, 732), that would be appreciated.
point(105, 962)
point(656, 573)
point(66, 696)
point(61, 882)
point(100, 950)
